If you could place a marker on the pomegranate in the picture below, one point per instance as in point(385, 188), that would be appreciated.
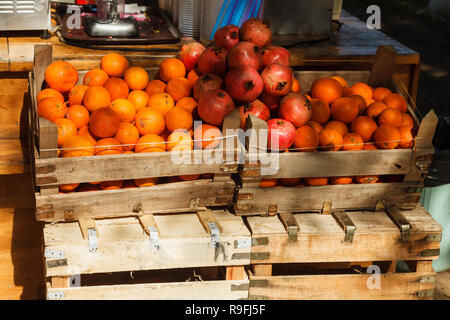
point(227, 37)
point(281, 134)
point(296, 108)
point(278, 79)
point(214, 106)
point(257, 31)
point(190, 53)
point(205, 83)
point(213, 60)
point(244, 84)
point(276, 54)
point(245, 54)
point(256, 108)
point(270, 100)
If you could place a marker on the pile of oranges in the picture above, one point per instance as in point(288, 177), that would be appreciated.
point(117, 110)
point(350, 118)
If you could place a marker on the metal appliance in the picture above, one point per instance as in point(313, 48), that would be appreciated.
point(16, 15)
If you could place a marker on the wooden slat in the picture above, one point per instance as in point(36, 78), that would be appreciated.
point(164, 198)
point(13, 159)
point(320, 239)
point(398, 286)
point(123, 246)
point(383, 67)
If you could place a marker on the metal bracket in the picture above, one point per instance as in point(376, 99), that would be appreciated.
point(154, 237)
point(215, 234)
point(272, 210)
point(425, 293)
point(427, 279)
point(434, 237)
point(55, 295)
point(401, 222)
point(290, 224)
point(381, 205)
point(194, 204)
point(243, 243)
point(326, 209)
point(50, 254)
point(93, 241)
point(346, 224)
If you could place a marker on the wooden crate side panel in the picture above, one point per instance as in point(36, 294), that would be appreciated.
point(252, 201)
point(394, 286)
point(165, 198)
point(199, 290)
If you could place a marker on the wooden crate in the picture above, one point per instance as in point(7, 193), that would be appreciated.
point(175, 259)
point(52, 171)
point(314, 256)
point(413, 164)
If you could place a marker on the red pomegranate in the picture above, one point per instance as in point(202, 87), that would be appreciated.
point(206, 82)
point(227, 37)
point(277, 79)
point(244, 84)
point(257, 31)
point(276, 54)
point(214, 106)
point(296, 108)
point(245, 54)
point(270, 100)
point(213, 60)
point(190, 53)
point(281, 134)
point(256, 108)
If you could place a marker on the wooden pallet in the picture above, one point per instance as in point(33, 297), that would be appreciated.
point(314, 256)
point(178, 256)
point(412, 164)
point(52, 171)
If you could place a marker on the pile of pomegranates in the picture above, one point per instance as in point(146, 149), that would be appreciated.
point(243, 70)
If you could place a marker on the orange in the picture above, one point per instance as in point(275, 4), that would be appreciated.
point(341, 80)
point(127, 134)
point(314, 124)
point(150, 143)
point(380, 93)
point(320, 111)
point(76, 94)
point(306, 138)
point(114, 64)
point(96, 97)
point(49, 92)
point(192, 77)
point(111, 185)
point(364, 126)
point(370, 146)
point(375, 109)
point(178, 88)
point(189, 177)
point(390, 116)
point(171, 68)
point(145, 182)
point(353, 142)
point(268, 183)
point(406, 138)
point(161, 102)
point(107, 146)
point(104, 123)
point(178, 118)
point(180, 140)
point(155, 86)
point(51, 108)
point(361, 102)
point(166, 133)
point(187, 103)
point(84, 132)
point(366, 179)
point(330, 139)
point(290, 182)
point(66, 128)
point(149, 121)
point(207, 137)
point(327, 90)
point(344, 109)
point(77, 146)
point(95, 77)
point(387, 137)
point(68, 187)
point(139, 98)
point(316, 181)
point(407, 120)
point(396, 101)
point(348, 92)
point(79, 115)
point(363, 90)
point(339, 126)
point(341, 180)
point(124, 109)
point(117, 88)
point(61, 76)
point(295, 86)
point(136, 78)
